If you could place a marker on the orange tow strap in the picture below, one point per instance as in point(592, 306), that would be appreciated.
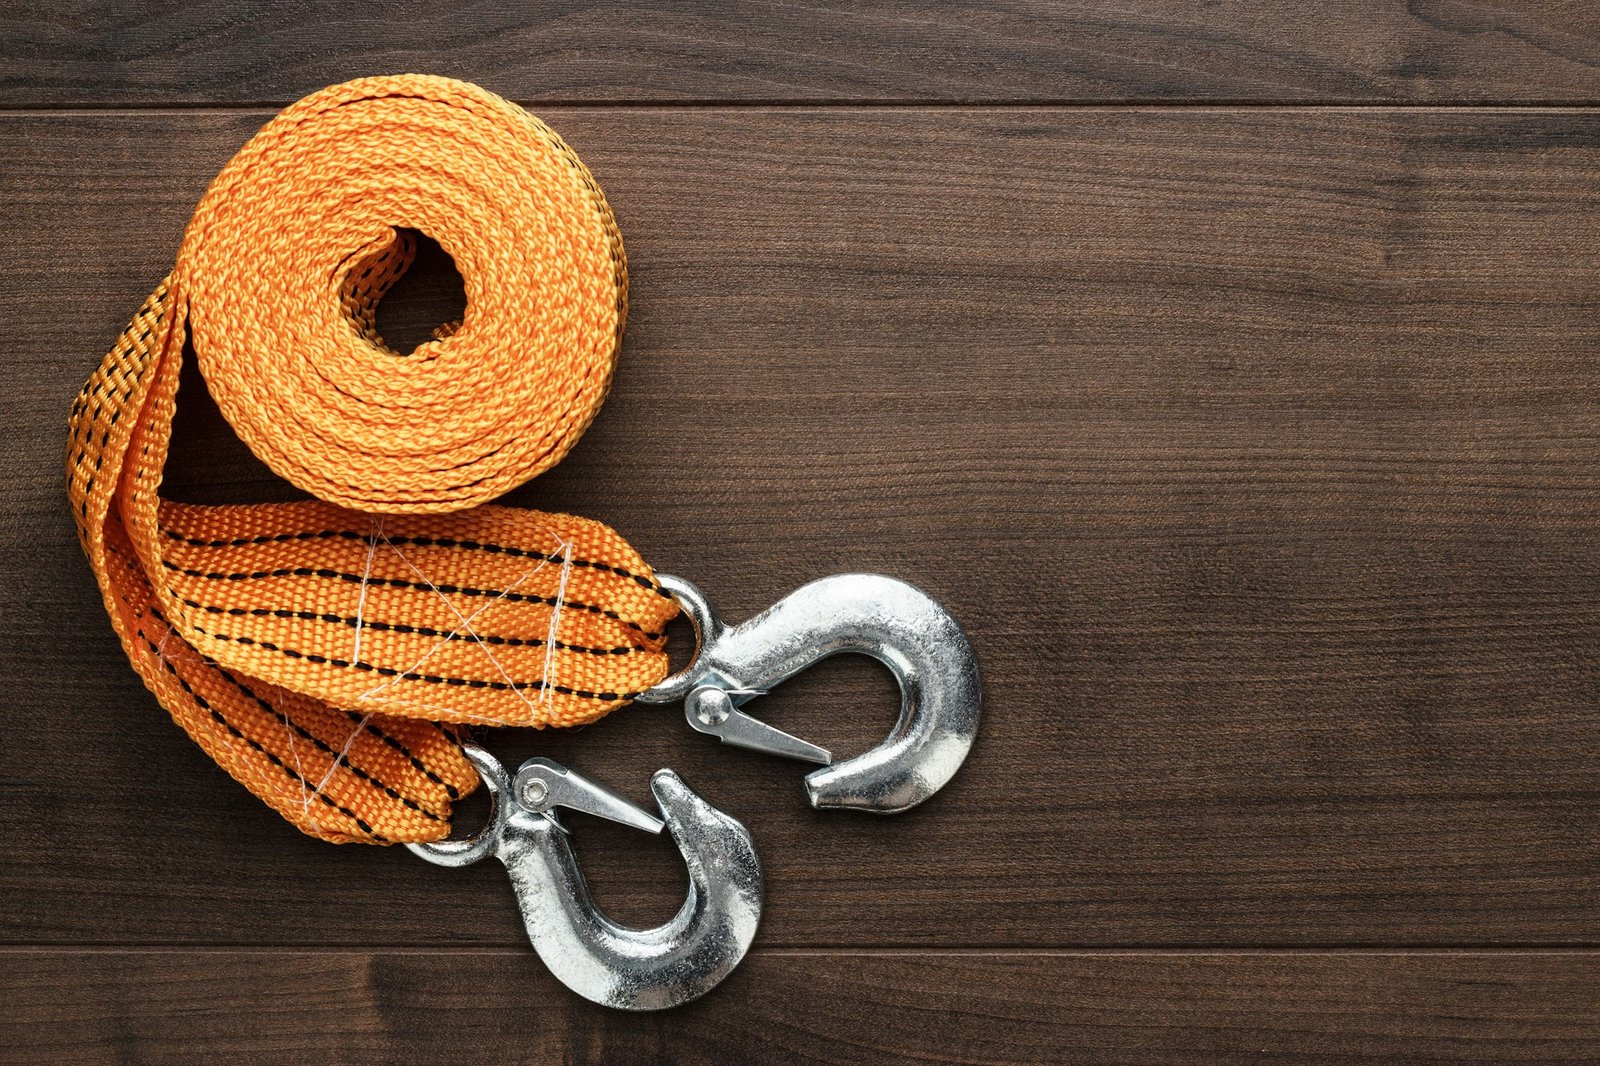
point(313, 648)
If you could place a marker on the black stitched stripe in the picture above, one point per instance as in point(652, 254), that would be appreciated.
point(432, 679)
point(377, 731)
point(400, 627)
point(133, 383)
point(449, 789)
point(420, 542)
point(393, 742)
point(401, 583)
point(339, 758)
point(233, 730)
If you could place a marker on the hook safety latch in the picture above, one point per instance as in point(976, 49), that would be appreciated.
point(868, 614)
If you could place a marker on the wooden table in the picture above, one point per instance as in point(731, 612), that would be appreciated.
point(1230, 371)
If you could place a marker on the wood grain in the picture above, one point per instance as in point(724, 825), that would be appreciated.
point(1255, 446)
point(807, 1007)
point(1256, 449)
point(126, 52)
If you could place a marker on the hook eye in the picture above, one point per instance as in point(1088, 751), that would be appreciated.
point(707, 629)
point(482, 843)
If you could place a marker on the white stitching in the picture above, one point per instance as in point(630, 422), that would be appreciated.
point(366, 576)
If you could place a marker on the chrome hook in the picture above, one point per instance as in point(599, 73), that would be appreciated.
point(634, 969)
point(895, 623)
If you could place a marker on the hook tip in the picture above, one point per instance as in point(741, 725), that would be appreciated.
point(670, 791)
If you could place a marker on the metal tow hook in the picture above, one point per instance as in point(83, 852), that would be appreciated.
point(611, 964)
point(868, 614)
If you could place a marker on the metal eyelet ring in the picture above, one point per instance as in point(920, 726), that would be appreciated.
point(706, 625)
point(483, 842)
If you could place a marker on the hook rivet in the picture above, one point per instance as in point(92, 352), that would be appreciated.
point(711, 706)
point(534, 790)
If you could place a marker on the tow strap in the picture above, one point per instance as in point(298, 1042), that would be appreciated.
point(322, 652)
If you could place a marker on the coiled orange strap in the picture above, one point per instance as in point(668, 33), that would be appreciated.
point(313, 648)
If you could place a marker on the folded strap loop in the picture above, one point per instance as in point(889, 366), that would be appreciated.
point(313, 648)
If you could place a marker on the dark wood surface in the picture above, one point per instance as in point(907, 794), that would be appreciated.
point(129, 52)
point(1255, 446)
point(499, 1005)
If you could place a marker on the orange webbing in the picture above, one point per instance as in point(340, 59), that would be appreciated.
point(313, 648)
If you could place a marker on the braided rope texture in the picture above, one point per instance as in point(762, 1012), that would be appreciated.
point(325, 652)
